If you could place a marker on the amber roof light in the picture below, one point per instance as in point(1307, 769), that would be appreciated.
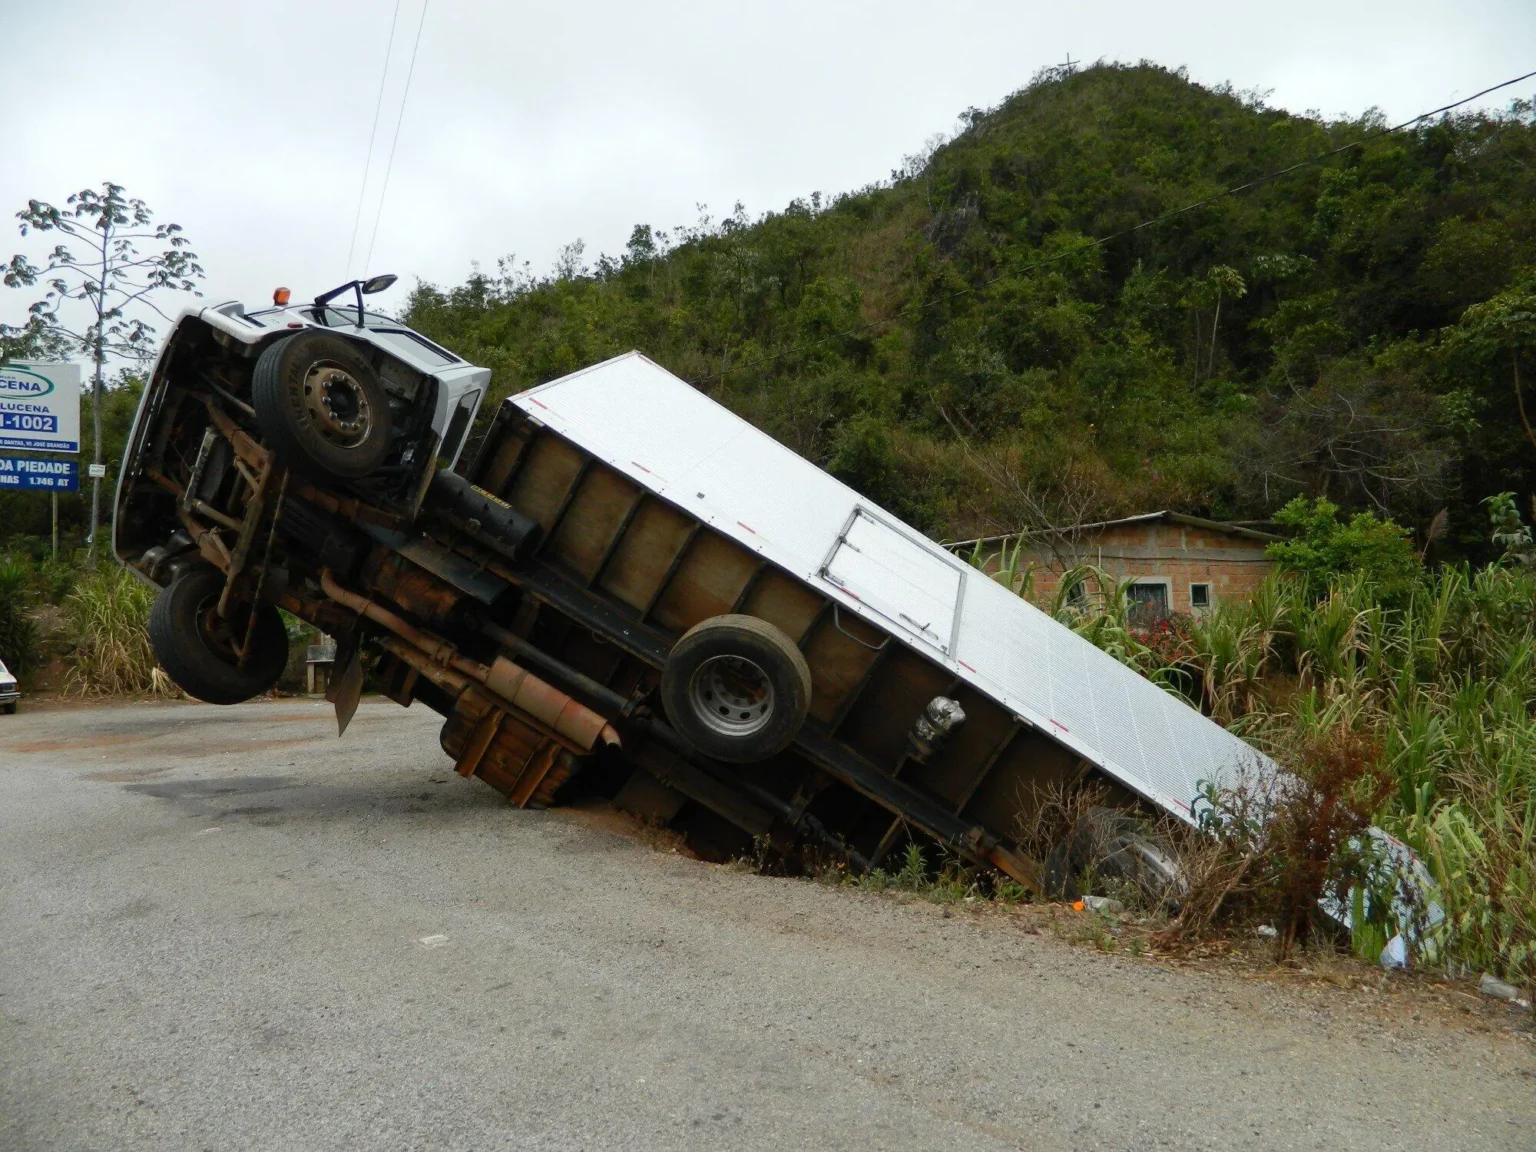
point(280, 296)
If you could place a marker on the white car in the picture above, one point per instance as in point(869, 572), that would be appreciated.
point(9, 693)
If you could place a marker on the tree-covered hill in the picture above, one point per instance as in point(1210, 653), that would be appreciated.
point(951, 343)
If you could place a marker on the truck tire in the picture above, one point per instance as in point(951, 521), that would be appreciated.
point(736, 688)
point(194, 646)
point(321, 407)
point(1110, 845)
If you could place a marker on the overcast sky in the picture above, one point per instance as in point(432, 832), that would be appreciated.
point(527, 126)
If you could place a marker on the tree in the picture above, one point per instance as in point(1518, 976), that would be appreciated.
point(1510, 535)
point(1295, 338)
point(1503, 327)
point(114, 277)
point(1325, 548)
point(1360, 434)
point(1221, 282)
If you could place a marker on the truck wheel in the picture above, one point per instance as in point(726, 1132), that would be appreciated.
point(9, 709)
point(736, 688)
point(1110, 845)
point(195, 645)
point(321, 407)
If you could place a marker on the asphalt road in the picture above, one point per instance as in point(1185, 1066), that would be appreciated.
point(223, 928)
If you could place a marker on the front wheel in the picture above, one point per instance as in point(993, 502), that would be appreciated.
point(736, 688)
point(321, 406)
point(198, 648)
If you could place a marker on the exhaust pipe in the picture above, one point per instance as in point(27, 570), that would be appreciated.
point(567, 717)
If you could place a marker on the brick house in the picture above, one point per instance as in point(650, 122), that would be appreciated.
point(1176, 563)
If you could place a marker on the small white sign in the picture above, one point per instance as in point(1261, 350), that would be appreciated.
point(40, 407)
point(96, 471)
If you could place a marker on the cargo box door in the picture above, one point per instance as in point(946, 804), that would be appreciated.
point(898, 578)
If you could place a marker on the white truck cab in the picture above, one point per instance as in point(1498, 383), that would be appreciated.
point(341, 397)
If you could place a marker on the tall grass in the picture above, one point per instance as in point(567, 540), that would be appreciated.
point(106, 618)
point(1442, 689)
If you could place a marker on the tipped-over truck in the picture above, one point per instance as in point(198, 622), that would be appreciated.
point(627, 590)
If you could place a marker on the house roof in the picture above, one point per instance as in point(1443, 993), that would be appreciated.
point(1144, 518)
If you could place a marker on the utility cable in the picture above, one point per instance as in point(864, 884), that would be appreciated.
point(378, 104)
point(389, 165)
point(1102, 240)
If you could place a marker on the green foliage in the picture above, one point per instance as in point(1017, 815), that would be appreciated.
point(1325, 548)
point(1435, 696)
point(1510, 535)
point(1503, 325)
point(107, 624)
point(1298, 338)
point(952, 883)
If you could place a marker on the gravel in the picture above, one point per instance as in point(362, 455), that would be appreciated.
point(223, 928)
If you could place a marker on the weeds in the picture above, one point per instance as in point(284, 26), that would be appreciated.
point(105, 620)
point(1273, 848)
point(951, 883)
point(1421, 710)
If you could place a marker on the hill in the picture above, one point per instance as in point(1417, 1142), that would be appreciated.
point(949, 342)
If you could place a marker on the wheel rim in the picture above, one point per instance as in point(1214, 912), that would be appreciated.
point(336, 405)
point(731, 695)
point(217, 632)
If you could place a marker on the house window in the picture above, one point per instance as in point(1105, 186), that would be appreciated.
point(1147, 602)
point(1077, 596)
point(1199, 597)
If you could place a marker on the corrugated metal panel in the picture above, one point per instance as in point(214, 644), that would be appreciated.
point(674, 440)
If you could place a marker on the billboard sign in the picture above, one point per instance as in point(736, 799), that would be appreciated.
point(40, 407)
point(38, 475)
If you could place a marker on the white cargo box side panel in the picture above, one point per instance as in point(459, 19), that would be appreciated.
point(672, 439)
point(897, 577)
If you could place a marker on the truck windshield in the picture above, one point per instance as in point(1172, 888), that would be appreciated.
point(386, 329)
point(415, 347)
point(333, 317)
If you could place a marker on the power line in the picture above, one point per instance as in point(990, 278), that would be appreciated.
point(389, 165)
point(378, 104)
point(1102, 240)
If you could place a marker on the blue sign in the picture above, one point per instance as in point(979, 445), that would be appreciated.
point(44, 475)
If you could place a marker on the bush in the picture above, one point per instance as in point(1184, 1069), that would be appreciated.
point(1324, 549)
point(55, 579)
point(1276, 850)
point(18, 634)
point(1435, 694)
point(106, 620)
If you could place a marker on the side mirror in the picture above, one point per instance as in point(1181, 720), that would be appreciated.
point(378, 283)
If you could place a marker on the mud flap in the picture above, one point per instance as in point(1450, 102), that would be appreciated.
point(346, 691)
